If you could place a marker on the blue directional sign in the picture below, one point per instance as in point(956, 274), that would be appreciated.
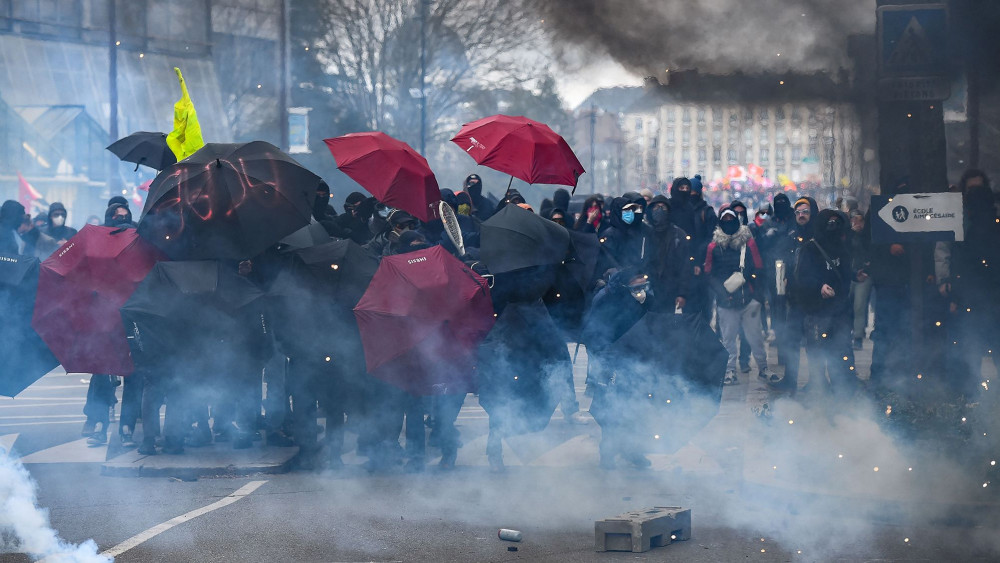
point(913, 40)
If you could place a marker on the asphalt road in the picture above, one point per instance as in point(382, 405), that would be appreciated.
point(552, 492)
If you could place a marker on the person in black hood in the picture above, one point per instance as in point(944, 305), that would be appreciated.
point(353, 223)
point(481, 205)
point(11, 219)
point(118, 215)
point(57, 227)
point(560, 199)
point(321, 203)
point(118, 199)
point(822, 283)
point(627, 245)
point(695, 217)
point(671, 264)
point(778, 242)
point(593, 218)
point(511, 197)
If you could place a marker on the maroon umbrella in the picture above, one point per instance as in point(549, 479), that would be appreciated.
point(80, 289)
point(421, 320)
point(390, 170)
point(521, 147)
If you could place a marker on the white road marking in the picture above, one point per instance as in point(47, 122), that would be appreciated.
point(77, 451)
point(80, 420)
point(63, 404)
point(7, 442)
point(142, 537)
point(38, 416)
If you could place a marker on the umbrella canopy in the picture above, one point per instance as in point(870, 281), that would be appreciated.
point(196, 313)
point(516, 238)
point(228, 201)
point(664, 394)
point(146, 148)
point(80, 289)
point(26, 358)
point(521, 147)
point(421, 320)
point(523, 366)
point(390, 170)
point(311, 235)
point(310, 302)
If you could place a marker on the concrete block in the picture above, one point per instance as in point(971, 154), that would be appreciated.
point(642, 530)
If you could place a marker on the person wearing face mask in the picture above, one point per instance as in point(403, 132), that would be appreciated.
point(695, 217)
point(57, 227)
point(353, 223)
point(482, 207)
point(763, 213)
point(671, 265)
point(385, 244)
point(779, 241)
point(735, 273)
point(822, 282)
point(118, 215)
point(627, 245)
point(593, 218)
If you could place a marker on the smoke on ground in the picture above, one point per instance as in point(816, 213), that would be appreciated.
point(26, 526)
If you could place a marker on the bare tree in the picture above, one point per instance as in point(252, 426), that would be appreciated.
point(371, 49)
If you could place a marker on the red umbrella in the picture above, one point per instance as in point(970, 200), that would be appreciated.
point(521, 147)
point(80, 289)
point(390, 170)
point(421, 320)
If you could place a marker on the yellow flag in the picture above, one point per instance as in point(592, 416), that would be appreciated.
point(185, 139)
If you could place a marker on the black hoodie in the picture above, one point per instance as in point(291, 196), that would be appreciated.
point(482, 207)
point(824, 260)
point(671, 266)
point(63, 232)
point(626, 247)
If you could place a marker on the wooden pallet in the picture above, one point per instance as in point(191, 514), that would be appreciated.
point(642, 530)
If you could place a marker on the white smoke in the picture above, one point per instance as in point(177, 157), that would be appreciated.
point(26, 526)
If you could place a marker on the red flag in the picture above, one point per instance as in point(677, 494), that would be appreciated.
point(26, 194)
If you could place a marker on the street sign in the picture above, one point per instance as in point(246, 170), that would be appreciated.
point(917, 218)
point(913, 53)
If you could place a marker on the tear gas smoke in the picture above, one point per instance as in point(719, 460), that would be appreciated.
point(714, 36)
point(28, 525)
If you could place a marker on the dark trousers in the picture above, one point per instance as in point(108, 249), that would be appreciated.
point(131, 400)
point(100, 399)
point(445, 410)
point(787, 323)
point(891, 337)
point(828, 345)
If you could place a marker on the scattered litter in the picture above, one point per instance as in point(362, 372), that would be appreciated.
point(512, 548)
point(509, 535)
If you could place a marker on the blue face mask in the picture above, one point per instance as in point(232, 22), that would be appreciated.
point(628, 216)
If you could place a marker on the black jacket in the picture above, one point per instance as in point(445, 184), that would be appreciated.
point(625, 247)
point(671, 267)
point(824, 260)
point(722, 260)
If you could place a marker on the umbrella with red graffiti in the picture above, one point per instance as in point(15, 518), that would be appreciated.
point(390, 170)
point(228, 201)
point(80, 289)
point(421, 321)
point(521, 147)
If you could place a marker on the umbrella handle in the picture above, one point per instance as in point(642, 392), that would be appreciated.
point(511, 182)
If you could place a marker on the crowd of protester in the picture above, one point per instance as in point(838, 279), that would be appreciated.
point(780, 270)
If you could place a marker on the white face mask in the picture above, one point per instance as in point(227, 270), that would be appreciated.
point(58, 221)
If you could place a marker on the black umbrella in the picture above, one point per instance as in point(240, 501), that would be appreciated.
point(228, 201)
point(310, 303)
point(664, 383)
point(311, 235)
point(515, 238)
point(25, 356)
point(146, 148)
point(201, 315)
point(523, 365)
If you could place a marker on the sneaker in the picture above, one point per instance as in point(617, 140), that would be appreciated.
point(97, 439)
point(126, 436)
point(858, 344)
point(577, 418)
point(147, 448)
point(448, 460)
point(88, 429)
point(745, 368)
point(766, 374)
point(199, 437)
point(730, 378)
point(173, 446)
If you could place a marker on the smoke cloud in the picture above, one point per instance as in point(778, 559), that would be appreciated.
point(27, 525)
point(715, 36)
